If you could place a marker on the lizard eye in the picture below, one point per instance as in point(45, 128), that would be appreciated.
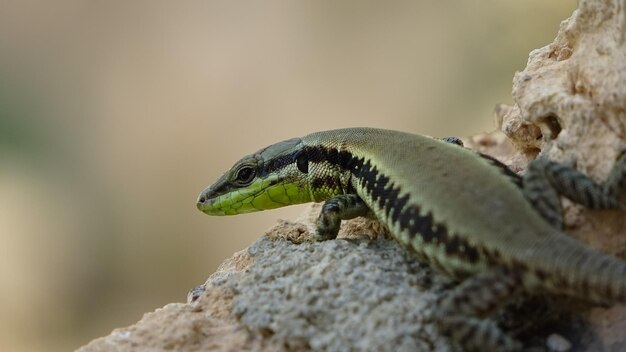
point(245, 175)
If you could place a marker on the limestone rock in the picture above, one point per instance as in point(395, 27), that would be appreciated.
point(571, 107)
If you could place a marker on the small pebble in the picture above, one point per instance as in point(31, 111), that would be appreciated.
point(558, 343)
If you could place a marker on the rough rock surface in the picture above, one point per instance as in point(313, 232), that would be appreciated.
point(365, 292)
point(361, 294)
point(571, 107)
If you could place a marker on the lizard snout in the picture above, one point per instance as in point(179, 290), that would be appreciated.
point(203, 198)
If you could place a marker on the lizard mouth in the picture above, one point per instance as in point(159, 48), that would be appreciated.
point(224, 199)
point(262, 194)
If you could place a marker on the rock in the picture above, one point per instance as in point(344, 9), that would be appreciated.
point(571, 97)
point(574, 92)
point(558, 343)
point(206, 324)
point(340, 295)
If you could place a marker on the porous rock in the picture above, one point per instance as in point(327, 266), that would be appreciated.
point(571, 107)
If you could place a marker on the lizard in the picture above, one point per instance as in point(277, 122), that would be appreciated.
point(469, 216)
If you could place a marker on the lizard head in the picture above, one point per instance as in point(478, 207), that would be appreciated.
point(272, 177)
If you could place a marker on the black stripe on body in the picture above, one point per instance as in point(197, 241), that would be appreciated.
point(386, 195)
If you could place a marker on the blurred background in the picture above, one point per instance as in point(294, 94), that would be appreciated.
point(114, 115)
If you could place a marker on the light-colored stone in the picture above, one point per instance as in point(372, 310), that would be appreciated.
point(574, 91)
point(558, 343)
point(207, 324)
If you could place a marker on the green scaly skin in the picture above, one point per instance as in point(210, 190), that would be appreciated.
point(462, 212)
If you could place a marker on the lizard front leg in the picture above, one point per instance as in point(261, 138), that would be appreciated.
point(337, 208)
point(545, 181)
point(460, 312)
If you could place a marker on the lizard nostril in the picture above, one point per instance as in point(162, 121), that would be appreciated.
point(201, 200)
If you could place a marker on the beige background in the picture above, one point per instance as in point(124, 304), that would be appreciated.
point(114, 115)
